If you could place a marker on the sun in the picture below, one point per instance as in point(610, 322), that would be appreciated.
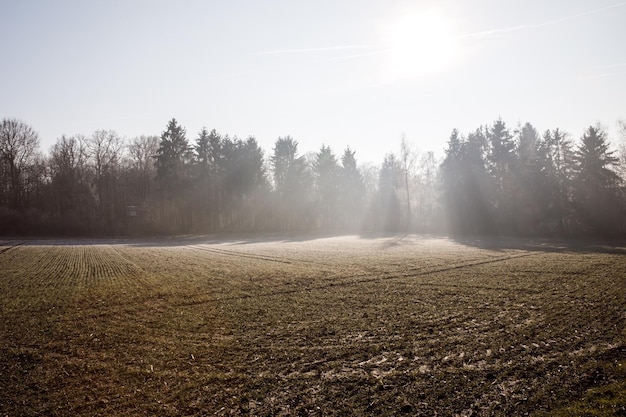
point(419, 45)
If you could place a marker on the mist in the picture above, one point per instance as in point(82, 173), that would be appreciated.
point(495, 180)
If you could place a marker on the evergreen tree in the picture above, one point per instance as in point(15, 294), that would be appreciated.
point(173, 159)
point(477, 192)
point(242, 165)
point(453, 182)
point(502, 164)
point(326, 175)
point(559, 173)
point(597, 186)
point(202, 150)
point(208, 180)
point(351, 191)
point(466, 194)
point(529, 181)
point(621, 149)
point(292, 184)
point(173, 162)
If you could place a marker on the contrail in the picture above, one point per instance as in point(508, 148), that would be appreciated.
point(499, 32)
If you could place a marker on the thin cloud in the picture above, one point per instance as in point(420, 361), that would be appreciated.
point(495, 33)
point(621, 64)
point(353, 56)
point(321, 49)
point(603, 71)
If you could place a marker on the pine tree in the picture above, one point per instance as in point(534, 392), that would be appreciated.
point(173, 159)
point(292, 184)
point(502, 164)
point(326, 174)
point(559, 173)
point(529, 181)
point(597, 185)
point(351, 191)
point(173, 164)
point(453, 181)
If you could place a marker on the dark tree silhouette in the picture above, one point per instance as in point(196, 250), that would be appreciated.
point(244, 180)
point(453, 182)
point(389, 216)
point(326, 176)
point(173, 163)
point(208, 179)
point(292, 183)
point(490, 182)
point(18, 146)
point(597, 186)
point(74, 205)
point(351, 188)
point(173, 158)
point(104, 151)
point(529, 181)
point(142, 171)
point(426, 195)
point(559, 173)
point(407, 161)
point(502, 164)
point(467, 185)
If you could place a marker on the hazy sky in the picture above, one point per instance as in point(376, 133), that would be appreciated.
point(358, 73)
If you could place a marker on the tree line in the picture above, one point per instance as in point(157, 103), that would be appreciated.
point(498, 181)
point(493, 180)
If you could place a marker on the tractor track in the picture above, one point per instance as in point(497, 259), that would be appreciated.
point(367, 277)
point(10, 247)
point(240, 254)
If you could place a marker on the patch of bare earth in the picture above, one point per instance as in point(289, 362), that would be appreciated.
point(334, 326)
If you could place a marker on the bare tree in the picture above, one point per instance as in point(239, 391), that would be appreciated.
point(68, 169)
point(427, 191)
point(621, 148)
point(141, 152)
point(18, 146)
point(104, 150)
point(407, 159)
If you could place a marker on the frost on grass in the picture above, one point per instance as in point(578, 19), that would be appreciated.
point(292, 326)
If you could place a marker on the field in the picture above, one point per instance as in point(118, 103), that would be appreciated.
point(312, 326)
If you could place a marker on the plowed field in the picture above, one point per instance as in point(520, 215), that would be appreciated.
point(312, 326)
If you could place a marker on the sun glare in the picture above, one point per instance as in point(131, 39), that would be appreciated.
point(419, 45)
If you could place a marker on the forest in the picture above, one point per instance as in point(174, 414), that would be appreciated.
point(495, 180)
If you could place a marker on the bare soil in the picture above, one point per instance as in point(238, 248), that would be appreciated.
point(312, 326)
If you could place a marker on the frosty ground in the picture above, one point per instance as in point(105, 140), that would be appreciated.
point(312, 325)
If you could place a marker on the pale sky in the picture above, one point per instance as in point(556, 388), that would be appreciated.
point(356, 73)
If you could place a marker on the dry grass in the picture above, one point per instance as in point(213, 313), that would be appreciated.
point(332, 326)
